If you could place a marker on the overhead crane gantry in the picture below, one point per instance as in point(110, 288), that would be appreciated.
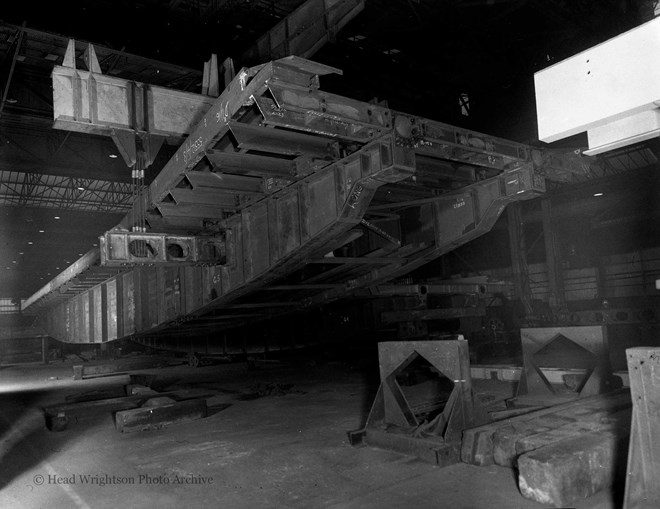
point(282, 196)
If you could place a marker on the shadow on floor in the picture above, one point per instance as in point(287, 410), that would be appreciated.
point(25, 442)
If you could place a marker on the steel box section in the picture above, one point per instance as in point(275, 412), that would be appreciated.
point(116, 250)
point(436, 139)
point(606, 83)
point(96, 103)
point(319, 208)
point(452, 219)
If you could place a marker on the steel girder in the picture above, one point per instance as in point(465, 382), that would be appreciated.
point(304, 31)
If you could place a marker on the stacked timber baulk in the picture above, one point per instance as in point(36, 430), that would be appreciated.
point(563, 453)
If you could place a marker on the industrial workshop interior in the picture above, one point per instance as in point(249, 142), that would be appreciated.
point(342, 254)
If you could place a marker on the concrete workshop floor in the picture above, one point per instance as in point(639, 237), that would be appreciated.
point(287, 449)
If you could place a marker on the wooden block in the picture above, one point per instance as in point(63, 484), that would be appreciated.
point(504, 443)
point(105, 393)
point(477, 444)
point(504, 440)
point(143, 379)
point(507, 447)
point(139, 390)
point(77, 372)
point(542, 400)
point(151, 418)
point(159, 401)
point(124, 403)
point(121, 366)
point(431, 450)
point(129, 388)
point(574, 469)
point(57, 422)
point(538, 440)
point(498, 415)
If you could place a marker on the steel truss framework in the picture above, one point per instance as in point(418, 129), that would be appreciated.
point(59, 192)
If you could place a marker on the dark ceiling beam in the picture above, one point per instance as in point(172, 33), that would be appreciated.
point(7, 85)
point(58, 45)
point(29, 166)
point(58, 153)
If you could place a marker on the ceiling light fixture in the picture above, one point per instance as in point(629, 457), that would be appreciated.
point(81, 188)
point(598, 194)
point(113, 156)
point(56, 217)
point(30, 243)
point(42, 231)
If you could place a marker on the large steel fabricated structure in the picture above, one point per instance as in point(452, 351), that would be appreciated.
point(282, 196)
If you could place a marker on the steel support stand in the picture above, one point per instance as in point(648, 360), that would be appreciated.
point(642, 487)
point(553, 258)
point(584, 349)
point(424, 402)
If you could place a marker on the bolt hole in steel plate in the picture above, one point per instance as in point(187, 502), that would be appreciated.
point(176, 250)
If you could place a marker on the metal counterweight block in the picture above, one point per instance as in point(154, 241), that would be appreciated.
point(424, 402)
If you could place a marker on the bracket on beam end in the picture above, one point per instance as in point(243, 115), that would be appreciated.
point(89, 56)
point(151, 145)
point(70, 55)
point(211, 76)
point(228, 70)
point(91, 61)
point(560, 166)
point(125, 142)
point(210, 83)
point(121, 248)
